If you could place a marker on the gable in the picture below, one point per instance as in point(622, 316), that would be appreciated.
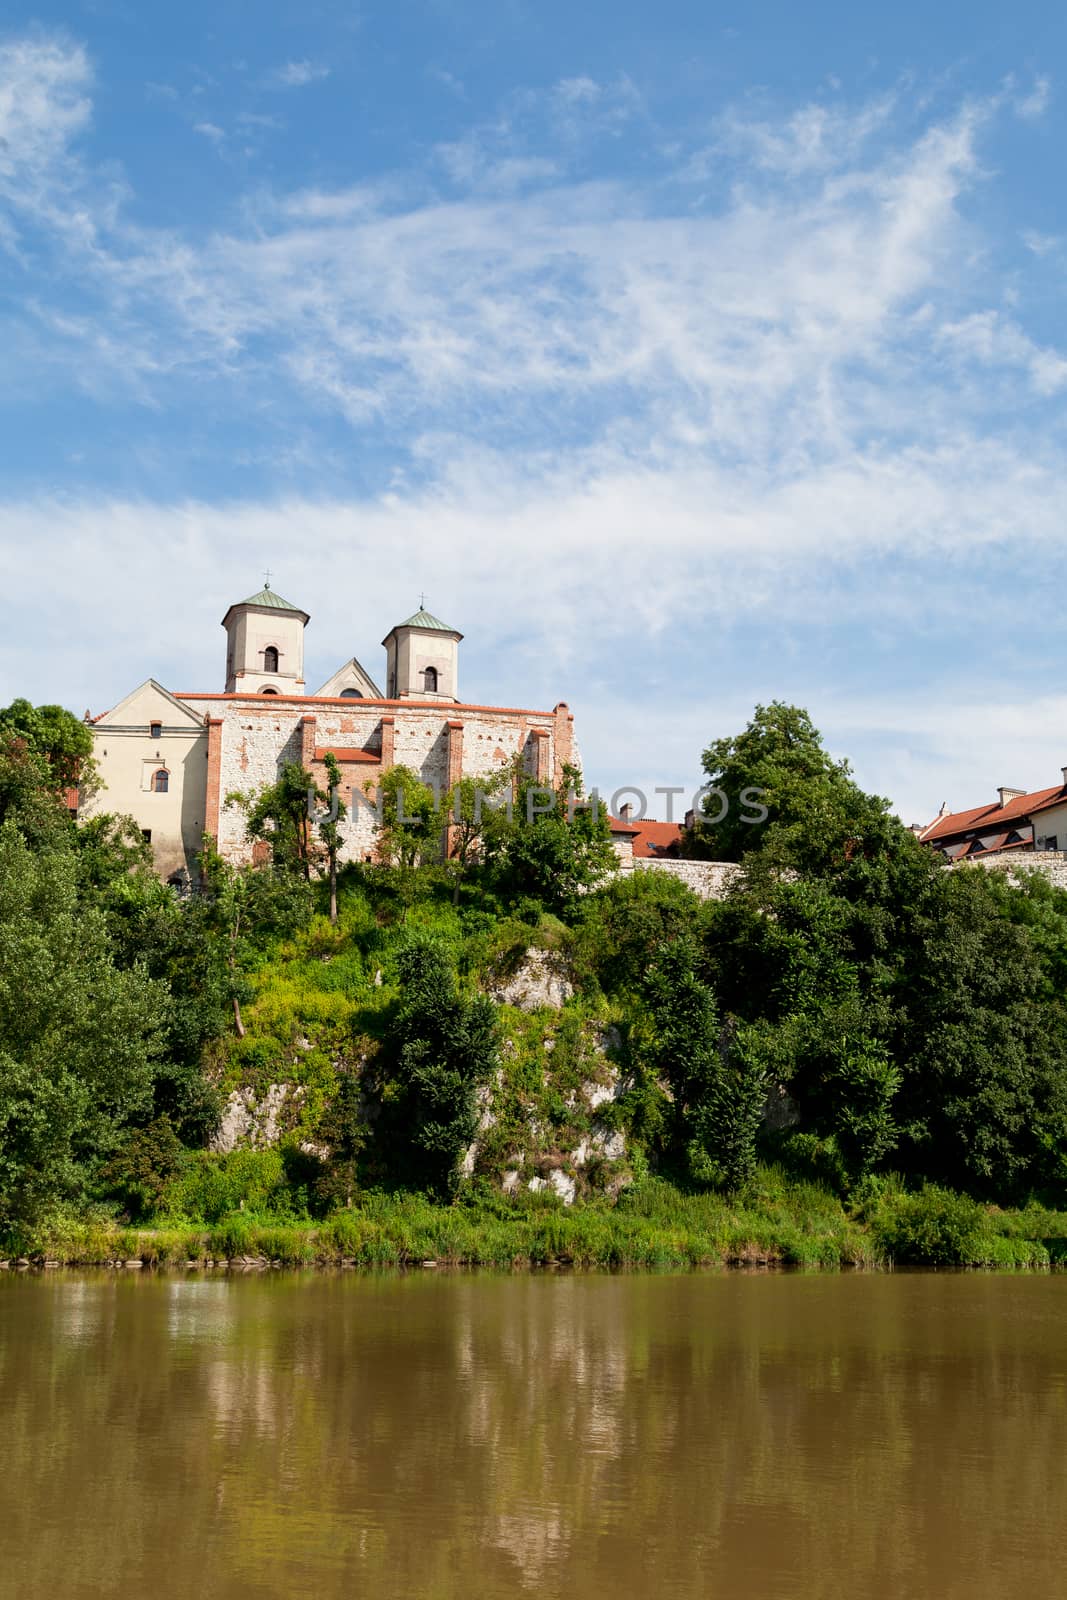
point(350, 676)
point(146, 704)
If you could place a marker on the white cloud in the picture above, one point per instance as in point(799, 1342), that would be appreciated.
point(814, 139)
point(297, 74)
point(690, 413)
point(993, 340)
point(1034, 105)
point(210, 130)
point(1041, 244)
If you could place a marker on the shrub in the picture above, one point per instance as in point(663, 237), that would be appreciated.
point(934, 1228)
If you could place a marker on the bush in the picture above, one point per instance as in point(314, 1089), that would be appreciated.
point(934, 1228)
point(212, 1186)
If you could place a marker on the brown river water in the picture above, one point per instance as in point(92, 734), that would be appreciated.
point(596, 1437)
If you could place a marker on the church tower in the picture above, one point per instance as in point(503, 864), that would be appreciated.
point(422, 659)
point(265, 645)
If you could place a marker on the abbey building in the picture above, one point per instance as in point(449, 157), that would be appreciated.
point(169, 759)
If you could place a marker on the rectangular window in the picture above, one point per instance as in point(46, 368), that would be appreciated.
point(156, 730)
point(146, 835)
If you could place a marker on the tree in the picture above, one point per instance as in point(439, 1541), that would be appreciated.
point(474, 817)
point(557, 844)
point(719, 1085)
point(911, 1019)
point(279, 814)
point(410, 828)
point(61, 741)
point(440, 1049)
point(29, 798)
point(343, 1128)
point(622, 924)
point(775, 788)
point(330, 826)
point(228, 891)
point(79, 1039)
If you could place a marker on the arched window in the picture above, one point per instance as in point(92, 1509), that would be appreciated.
point(268, 690)
point(431, 680)
point(160, 781)
point(351, 694)
point(270, 658)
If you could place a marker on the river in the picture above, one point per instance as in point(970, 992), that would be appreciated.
point(730, 1435)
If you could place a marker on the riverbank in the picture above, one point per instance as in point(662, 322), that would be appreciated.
point(652, 1226)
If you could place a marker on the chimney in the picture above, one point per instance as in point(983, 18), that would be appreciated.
point(1064, 771)
point(1009, 794)
point(626, 811)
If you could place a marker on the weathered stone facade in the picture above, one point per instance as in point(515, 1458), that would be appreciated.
point(1051, 864)
point(709, 880)
point(171, 760)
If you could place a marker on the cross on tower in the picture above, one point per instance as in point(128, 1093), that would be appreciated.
point(422, 602)
point(268, 578)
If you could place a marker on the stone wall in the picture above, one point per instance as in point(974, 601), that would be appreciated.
point(709, 880)
point(1051, 864)
point(439, 741)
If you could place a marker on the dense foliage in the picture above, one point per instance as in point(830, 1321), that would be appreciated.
point(851, 1017)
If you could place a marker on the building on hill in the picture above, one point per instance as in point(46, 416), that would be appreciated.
point(1015, 821)
point(170, 759)
point(641, 840)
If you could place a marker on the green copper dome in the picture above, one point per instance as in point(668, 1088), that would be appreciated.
point(272, 601)
point(426, 619)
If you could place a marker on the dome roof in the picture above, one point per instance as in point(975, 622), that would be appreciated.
point(426, 619)
point(271, 601)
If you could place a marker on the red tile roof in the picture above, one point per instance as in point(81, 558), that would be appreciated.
point(341, 754)
point(1017, 810)
point(649, 838)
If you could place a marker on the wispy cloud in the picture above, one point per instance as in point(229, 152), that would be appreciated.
point(696, 404)
point(1035, 103)
point(297, 74)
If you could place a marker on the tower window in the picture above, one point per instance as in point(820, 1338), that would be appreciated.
point(156, 730)
point(431, 680)
point(270, 658)
point(268, 690)
point(160, 781)
point(351, 694)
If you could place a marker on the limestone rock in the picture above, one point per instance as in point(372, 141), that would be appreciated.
point(541, 979)
point(249, 1121)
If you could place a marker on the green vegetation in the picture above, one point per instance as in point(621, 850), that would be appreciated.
point(856, 1057)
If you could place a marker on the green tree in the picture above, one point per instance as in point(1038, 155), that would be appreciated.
point(343, 1129)
point(622, 924)
point(474, 817)
point(440, 1049)
point(330, 826)
point(62, 742)
point(279, 814)
point(910, 1018)
point(29, 798)
point(411, 826)
point(79, 1038)
point(718, 1084)
point(775, 788)
point(557, 845)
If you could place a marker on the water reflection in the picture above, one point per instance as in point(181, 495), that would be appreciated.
point(445, 1436)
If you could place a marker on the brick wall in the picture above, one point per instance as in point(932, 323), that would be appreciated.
point(254, 737)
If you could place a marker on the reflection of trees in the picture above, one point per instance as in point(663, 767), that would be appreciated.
point(446, 1436)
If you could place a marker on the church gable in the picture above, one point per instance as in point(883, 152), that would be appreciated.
point(147, 704)
point(351, 682)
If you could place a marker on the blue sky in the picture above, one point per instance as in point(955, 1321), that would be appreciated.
point(686, 356)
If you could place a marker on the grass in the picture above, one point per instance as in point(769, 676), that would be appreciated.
point(776, 1221)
